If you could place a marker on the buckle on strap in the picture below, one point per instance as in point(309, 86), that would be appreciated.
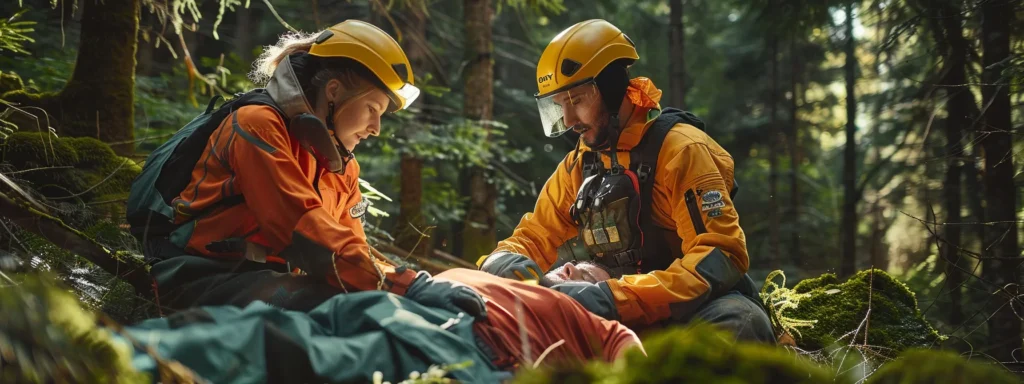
point(591, 163)
point(630, 258)
point(643, 171)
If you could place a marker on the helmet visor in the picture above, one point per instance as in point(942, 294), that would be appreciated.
point(560, 111)
point(402, 97)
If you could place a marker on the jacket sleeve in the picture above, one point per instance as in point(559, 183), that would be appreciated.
point(541, 232)
point(290, 212)
point(714, 248)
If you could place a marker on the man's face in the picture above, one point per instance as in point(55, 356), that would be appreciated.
point(584, 112)
point(582, 271)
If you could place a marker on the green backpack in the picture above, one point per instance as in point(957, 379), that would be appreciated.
point(168, 169)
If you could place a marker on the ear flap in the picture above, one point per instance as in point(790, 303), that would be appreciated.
point(314, 137)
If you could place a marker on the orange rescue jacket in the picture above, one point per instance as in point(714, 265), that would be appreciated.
point(286, 195)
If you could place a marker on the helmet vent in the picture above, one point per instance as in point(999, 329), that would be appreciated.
point(569, 67)
point(324, 36)
point(402, 70)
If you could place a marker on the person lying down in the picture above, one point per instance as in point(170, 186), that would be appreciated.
point(351, 336)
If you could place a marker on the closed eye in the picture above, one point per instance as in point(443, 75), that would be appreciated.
point(588, 275)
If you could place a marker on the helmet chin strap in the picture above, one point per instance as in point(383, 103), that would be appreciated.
point(613, 142)
point(346, 154)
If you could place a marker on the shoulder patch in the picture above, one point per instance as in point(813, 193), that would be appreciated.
point(711, 196)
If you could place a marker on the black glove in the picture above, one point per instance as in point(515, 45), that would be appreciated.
point(511, 266)
point(596, 298)
point(446, 295)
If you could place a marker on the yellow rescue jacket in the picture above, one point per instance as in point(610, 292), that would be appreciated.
point(711, 259)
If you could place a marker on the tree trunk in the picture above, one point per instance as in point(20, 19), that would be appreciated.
point(410, 207)
point(958, 118)
point(144, 55)
point(479, 235)
point(676, 38)
point(973, 190)
point(775, 258)
point(411, 222)
point(99, 98)
point(244, 33)
point(849, 221)
point(974, 186)
point(1002, 258)
point(879, 255)
point(794, 155)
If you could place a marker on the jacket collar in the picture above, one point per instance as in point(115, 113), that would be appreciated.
point(284, 88)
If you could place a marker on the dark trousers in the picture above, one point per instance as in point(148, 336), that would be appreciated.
point(738, 313)
point(185, 281)
point(738, 310)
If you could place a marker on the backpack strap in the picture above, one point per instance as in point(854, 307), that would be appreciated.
point(176, 172)
point(643, 160)
point(591, 163)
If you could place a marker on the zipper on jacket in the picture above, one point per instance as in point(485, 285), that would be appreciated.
point(316, 183)
point(691, 205)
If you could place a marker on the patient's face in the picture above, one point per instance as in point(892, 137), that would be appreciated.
point(582, 271)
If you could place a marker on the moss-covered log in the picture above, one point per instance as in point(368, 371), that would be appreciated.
point(99, 98)
point(841, 310)
point(81, 169)
point(126, 267)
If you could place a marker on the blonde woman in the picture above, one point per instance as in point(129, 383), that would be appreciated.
point(272, 210)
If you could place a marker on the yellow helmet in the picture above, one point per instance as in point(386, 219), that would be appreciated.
point(377, 51)
point(572, 61)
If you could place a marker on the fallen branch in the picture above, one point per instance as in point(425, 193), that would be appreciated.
point(55, 231)
point(444, 257)
point(454, 260)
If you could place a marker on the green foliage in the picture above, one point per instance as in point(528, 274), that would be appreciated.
point(46, 336)
point(447, 146)
point(924, 366)
point(50, 62)
point(779, 299)
point(229, 72)
point(700, 354)
point(539, 6)
point(841, 310)
point(10, 81)
point(14, 34)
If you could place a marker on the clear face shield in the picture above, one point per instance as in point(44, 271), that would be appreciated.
point(568, 105)
point(403, 97)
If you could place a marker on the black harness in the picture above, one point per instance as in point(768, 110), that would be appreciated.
point(613, 209)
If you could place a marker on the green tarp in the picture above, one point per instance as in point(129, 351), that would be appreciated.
point(346, 339)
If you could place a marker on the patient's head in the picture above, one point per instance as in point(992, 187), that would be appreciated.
point(578, 271)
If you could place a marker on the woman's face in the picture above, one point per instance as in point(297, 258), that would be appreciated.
point(358, 118)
